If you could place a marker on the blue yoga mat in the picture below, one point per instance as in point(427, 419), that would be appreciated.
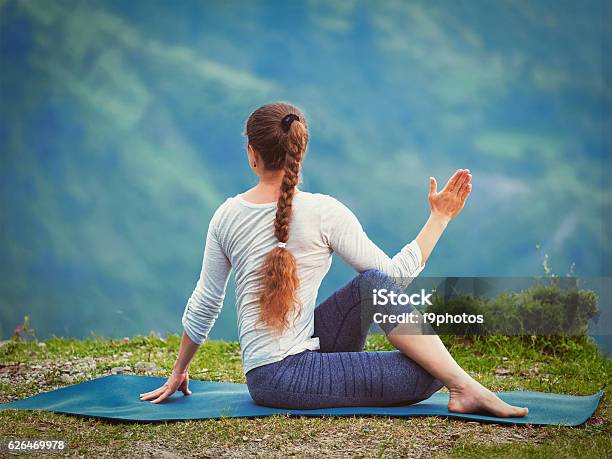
point(117, 397)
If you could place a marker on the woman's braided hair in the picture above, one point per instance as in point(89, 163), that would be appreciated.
point(279, 134)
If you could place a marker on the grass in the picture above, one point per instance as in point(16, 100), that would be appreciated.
point(562, 365)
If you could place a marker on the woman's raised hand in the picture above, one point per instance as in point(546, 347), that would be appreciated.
point(450, 200)
point(176, 381)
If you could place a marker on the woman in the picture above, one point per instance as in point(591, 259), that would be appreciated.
point(279, 242)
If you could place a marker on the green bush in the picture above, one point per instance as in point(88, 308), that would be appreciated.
point(541, 310)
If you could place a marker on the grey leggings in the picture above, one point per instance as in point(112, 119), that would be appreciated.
point(341, 373)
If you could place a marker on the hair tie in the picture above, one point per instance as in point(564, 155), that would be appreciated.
point(282, 245)
point(287, 120)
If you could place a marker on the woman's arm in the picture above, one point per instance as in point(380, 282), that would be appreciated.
point(346, 237)
point(186, 352)
point(204, 304)
point(445, 205)
point(201, 312)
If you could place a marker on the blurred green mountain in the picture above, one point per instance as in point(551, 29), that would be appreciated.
point(121, 123)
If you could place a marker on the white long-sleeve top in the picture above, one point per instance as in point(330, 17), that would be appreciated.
point(241, 234)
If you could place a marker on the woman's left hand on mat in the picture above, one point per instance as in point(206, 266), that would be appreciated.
point(176, 381)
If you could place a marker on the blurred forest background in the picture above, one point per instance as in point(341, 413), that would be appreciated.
point(121, 131)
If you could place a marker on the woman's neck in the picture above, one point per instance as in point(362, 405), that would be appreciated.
point(267, 190)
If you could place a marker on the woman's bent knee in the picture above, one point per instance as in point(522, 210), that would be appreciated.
point(376, 279)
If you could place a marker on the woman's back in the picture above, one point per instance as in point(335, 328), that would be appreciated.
point(245, 236)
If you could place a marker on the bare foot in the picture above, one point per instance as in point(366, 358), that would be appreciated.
point(475, 398)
